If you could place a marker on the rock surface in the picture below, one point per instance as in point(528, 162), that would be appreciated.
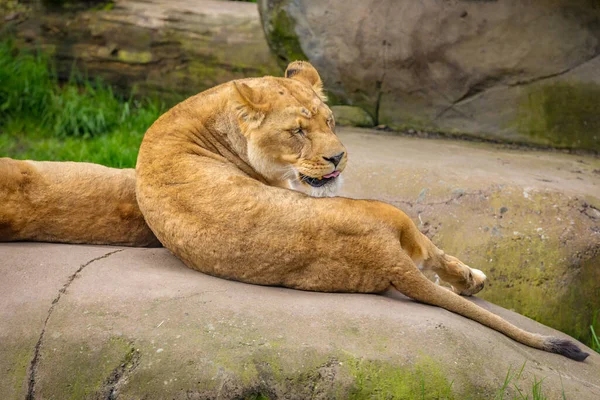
point(171, 48)
point(351, 116)
point(102, 322)
point(511, 70)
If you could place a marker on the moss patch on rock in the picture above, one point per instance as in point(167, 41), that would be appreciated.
point(562, 114)
point(236, 358)
point(267, 373)
point(82, 370)
point(536, 251)
point(134, 57)
point(383, 380)
point(282, 37)
point(15, 365)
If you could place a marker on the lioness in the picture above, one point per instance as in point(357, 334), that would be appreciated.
point(213, 183)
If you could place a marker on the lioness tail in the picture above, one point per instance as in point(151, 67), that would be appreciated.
point(415, 285)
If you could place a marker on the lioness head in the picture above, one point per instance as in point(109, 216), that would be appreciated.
point(290, 130)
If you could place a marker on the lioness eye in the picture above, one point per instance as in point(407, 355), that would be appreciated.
point(298, 131)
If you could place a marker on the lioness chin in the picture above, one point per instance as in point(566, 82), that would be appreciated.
point(237, 182)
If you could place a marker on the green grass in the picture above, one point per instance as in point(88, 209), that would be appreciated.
point(595, 345)
point(511, 382)
point(79, 120)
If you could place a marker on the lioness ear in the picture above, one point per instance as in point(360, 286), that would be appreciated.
point(253, 107)
point(303, 71)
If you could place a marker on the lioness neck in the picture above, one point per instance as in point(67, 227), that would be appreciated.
point(204, 127)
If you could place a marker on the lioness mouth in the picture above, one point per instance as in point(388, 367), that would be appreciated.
point(320, 181)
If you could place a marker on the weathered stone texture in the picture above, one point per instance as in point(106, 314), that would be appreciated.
point(522, 71)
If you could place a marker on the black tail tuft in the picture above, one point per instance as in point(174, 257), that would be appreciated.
point(565, 348)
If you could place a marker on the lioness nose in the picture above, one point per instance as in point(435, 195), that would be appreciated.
point(335, 160)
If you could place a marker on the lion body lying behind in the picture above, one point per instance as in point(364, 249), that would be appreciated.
point(70, 202)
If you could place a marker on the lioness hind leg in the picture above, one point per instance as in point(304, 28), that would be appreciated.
point(464, 280)
point(407, 279)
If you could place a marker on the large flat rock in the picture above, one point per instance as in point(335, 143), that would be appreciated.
point(33, 276)
point(136, 323)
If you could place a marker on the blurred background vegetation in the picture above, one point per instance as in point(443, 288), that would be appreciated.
point(43, 118)
point(80, 85)
point(98, 72)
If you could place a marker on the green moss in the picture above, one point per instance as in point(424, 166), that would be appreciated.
point(383, 380)
point(409, 123)
point(367, 378)
point(259, 396)
point(351, 116)
point(582, 303)
point(534, 273)
point(134, 57)
point(15, 358)
point(12, 6)
point(83, 370)
point(80, 4)
point(333, 99)
point(282, 37)
point(107, 6)
point(544, 269)
point(562, 115)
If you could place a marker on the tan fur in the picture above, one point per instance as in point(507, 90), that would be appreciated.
point(213, 179)
point(71, 203)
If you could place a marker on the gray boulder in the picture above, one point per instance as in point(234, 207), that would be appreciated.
point(511, 70)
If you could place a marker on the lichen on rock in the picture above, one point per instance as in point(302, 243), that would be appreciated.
point(562, 114)
point(280, 32)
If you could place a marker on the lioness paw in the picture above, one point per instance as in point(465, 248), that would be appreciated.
point(479, 275)
point(476, 282)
